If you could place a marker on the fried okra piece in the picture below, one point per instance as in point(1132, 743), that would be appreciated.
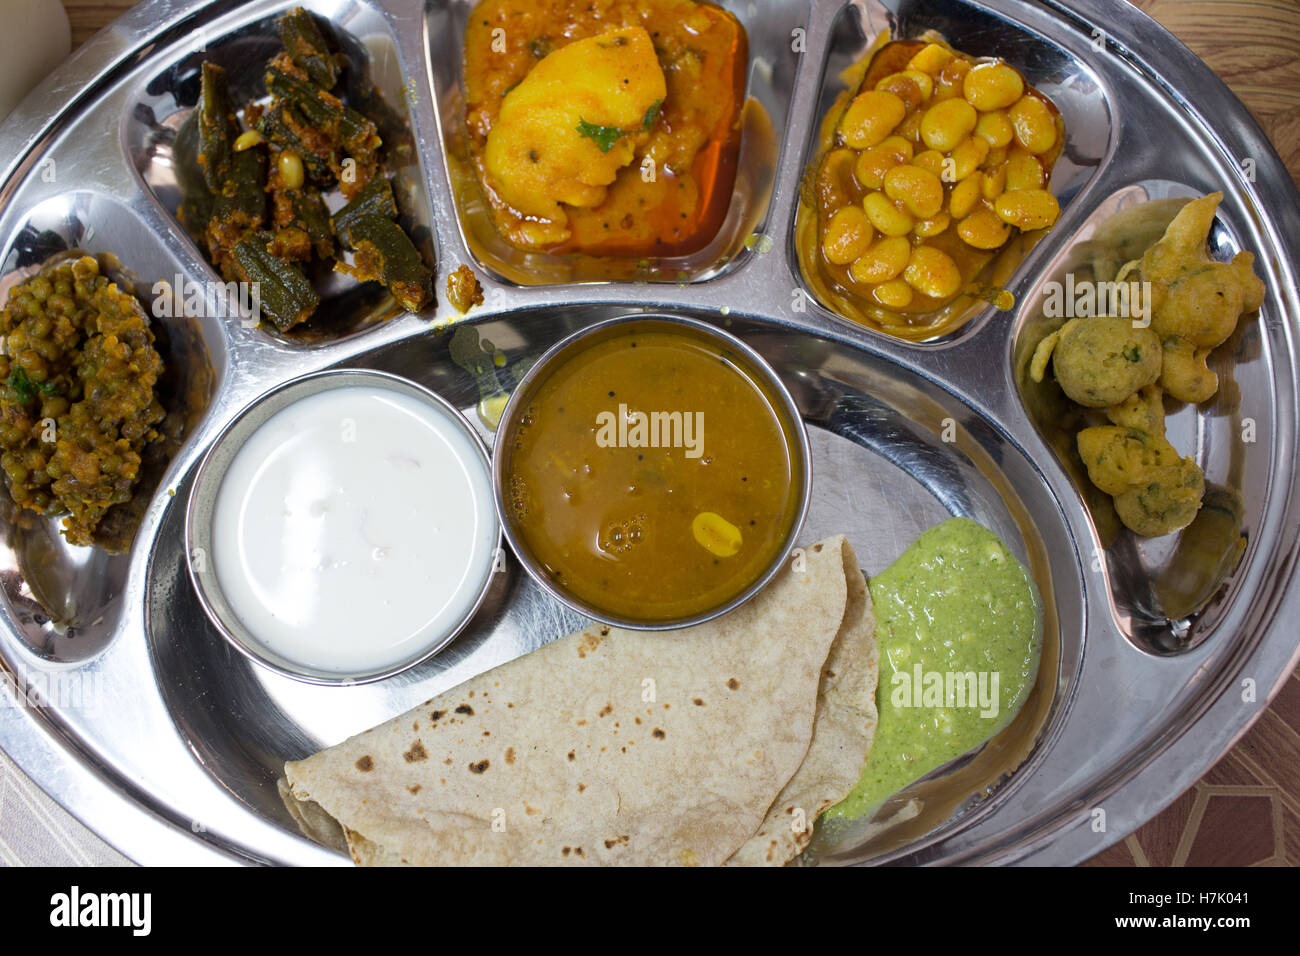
point(289, 132)
point(240, 206)
point(283, 293)
point(217, 126)
point(306, 46)
point(312, 215)
point(374, 199)
point(384, 253)
point(328, 131)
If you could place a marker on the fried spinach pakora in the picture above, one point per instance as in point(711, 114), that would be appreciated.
point(1115, 365)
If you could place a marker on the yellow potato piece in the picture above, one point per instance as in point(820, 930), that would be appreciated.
point(535, 155)
point(716, 534)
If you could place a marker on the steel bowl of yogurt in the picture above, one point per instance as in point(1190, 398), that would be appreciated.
point(341, 529)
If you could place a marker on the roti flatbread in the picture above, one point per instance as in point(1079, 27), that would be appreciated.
point(611, 746)
point(843, 729)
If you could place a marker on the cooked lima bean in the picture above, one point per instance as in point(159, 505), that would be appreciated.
point(894, 294)
point(965, 159)
point(995, 181)
point(847, 235)
point(883, 260)
point(947, 123)
point(886, 216)
point(932, 59)
point(992, 86)
point(1027, 208)
point(927, 228)
point(995, 128)
point(1034, 123)
point(965, 195)
point(932, 272)
point(871, 165)
point(938, 158)
point(916, 188)
point(870, 118)
point(983, 229)
point(1024, 171)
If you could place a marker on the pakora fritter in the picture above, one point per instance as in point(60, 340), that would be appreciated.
point(1112, 364)
point(1196, 301)
point(1101, 362)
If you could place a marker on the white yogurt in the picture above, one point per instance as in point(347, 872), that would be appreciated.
point(354, 529)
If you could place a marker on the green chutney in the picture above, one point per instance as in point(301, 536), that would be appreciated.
point(957, 620)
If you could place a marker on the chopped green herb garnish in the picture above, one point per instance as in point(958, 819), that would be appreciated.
point(1132, 354)
point(25, 389)
point(603, 136)
point(652, 113)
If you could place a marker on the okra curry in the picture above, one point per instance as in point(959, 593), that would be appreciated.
point(607, 127)
point(651, 474)
point(256, 182)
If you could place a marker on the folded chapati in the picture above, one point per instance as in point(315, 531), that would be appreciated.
point(611, 746)
point(843, 729)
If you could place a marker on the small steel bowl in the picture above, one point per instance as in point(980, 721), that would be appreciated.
point(756, 365)
point(207, 484)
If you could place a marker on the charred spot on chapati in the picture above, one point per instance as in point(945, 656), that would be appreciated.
point(416, 753)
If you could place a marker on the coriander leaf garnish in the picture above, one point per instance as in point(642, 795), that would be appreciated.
point(25, 389)
point(1132, 354)
point(21, 385)
point(652, 113)
point(603, 136)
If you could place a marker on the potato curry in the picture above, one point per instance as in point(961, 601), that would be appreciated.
point(606, 127)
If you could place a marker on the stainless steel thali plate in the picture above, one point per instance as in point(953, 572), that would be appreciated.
point(124, 704)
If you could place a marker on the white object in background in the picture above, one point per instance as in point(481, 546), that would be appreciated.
point(34, 39)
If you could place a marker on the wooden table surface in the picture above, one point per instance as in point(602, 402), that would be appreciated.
point(1246, 810)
